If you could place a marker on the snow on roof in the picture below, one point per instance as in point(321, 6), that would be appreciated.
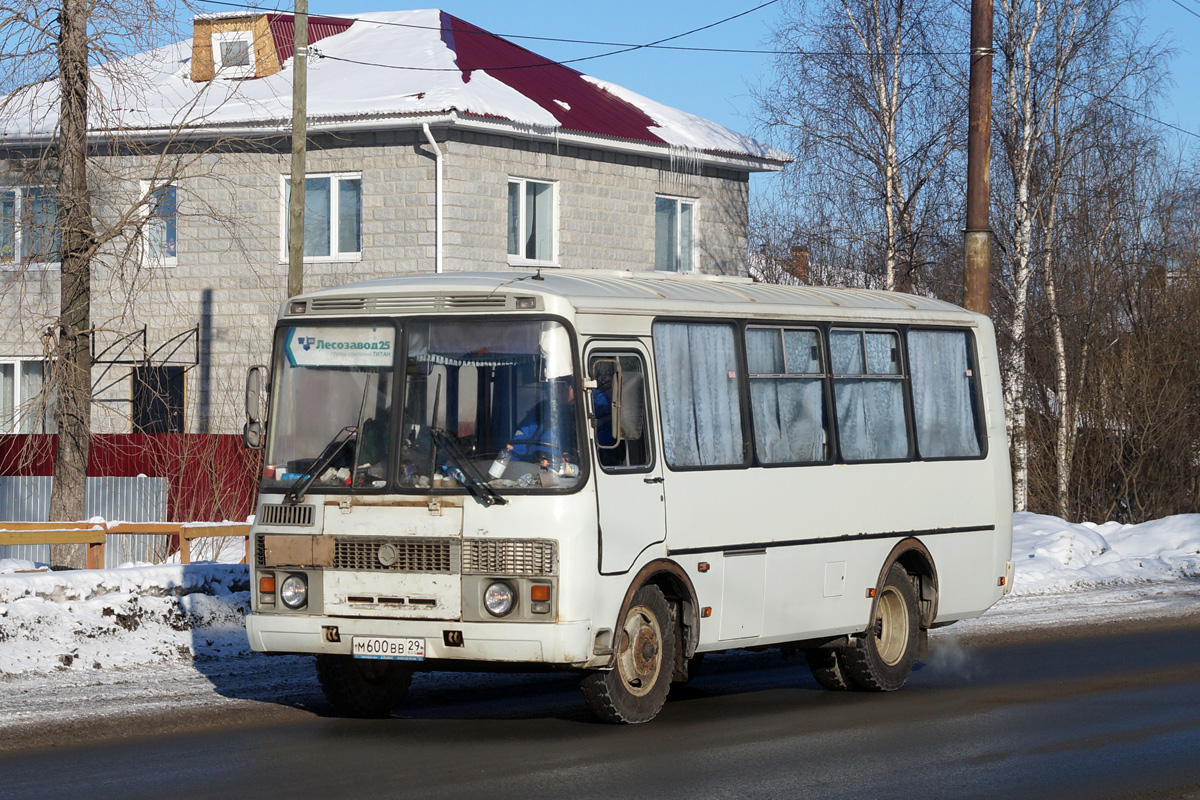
point(455, 68)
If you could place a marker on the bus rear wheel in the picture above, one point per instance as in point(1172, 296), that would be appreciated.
point(635, 689)
point(882, 658)
point(365, 688)
point(827, 666)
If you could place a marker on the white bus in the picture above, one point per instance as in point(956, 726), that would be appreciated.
point(618, 472)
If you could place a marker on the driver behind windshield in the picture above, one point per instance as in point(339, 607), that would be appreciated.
point(546, 434)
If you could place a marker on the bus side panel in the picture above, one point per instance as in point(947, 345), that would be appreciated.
point(827, 530)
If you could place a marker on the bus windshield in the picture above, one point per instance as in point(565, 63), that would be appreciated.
point(489, 401)
point(333, 396)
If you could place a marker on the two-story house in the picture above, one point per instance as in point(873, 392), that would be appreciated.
point(432, 145)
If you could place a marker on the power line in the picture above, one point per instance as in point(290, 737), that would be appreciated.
point(625, 45)
point(1118, 105)
point(658, 44)
point(1185, 8)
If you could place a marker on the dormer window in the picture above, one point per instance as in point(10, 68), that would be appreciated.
point(233, 53)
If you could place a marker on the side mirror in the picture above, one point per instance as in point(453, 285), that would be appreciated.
point(252, 436)
point(613, 367)
point(254, 432)
point(255, 379)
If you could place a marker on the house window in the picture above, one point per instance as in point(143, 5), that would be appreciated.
point(161, 227)
point(674, 234)
point(332, 217)
point(25, 406)
point(29, 225)
point(233, 54)
point(158, 399)
point(531, 228)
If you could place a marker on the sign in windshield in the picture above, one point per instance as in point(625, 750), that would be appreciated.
point(340, 346)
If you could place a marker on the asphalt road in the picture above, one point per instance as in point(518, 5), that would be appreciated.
point(1091, 714)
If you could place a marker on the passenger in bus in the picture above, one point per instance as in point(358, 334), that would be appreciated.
point(602, 407)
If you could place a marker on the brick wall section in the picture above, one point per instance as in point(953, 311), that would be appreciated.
point(230, 278)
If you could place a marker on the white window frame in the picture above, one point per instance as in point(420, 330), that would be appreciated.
point(519, 260)
point(220, 69)
point(148, 258)
point(334, 254)
point(19, 412)
point(679, 201)
point(17, 260)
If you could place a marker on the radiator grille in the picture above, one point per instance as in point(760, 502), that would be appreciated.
point(280, 514)
point(509, 557)
point(408, 554)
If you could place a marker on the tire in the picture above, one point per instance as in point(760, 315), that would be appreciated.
point(881, 659)
point(826, 666)
point(635, 689)
point(364, 688)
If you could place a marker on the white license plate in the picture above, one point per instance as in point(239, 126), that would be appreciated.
point(385, 647)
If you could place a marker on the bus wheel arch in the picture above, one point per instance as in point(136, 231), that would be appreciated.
point(677, 588)
point(918, 562)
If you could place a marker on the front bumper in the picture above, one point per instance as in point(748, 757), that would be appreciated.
point(564, 643)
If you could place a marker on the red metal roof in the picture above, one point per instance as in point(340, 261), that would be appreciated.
point(283, 31)
point(576, 103)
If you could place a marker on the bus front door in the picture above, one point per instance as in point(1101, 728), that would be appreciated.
point(629, 482)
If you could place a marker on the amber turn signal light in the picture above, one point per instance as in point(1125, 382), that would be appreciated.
point(266, 584)
point(539, 593)
point(706, 611)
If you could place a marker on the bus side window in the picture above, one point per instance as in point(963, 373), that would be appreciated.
point(619, 412)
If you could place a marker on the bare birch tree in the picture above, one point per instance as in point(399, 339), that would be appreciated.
point(867, 107)
point(1061, 62)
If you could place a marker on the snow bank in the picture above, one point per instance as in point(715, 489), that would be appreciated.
point(1053, 556)
point(141, 615)
point(117, 618)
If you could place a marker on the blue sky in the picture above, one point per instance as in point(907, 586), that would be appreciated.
point(716, 85)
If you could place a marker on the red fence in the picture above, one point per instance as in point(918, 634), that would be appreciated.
point(210, 476)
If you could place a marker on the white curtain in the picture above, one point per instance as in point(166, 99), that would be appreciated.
point(788, 420)
point(789, 413)
point(870, 409)
point(942, 394)
point(698, 388)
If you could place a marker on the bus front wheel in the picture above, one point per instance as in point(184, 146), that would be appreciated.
point(882, 658)
point(635, 689)
point(366, 688)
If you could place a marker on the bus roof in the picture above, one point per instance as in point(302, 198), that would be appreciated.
point(609, 292)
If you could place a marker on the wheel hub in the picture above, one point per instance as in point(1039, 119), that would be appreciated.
point(639, 657)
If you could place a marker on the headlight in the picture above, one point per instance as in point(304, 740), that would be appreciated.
point(294, 591)
point(499, 598)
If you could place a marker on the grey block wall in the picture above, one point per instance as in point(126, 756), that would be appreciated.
point(231, 273)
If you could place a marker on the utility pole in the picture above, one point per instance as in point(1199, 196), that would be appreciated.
point(978, 234)
point(299, 135)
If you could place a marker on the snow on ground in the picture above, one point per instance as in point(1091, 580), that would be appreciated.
point(144, 638)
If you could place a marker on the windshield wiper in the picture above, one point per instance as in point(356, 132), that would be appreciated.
point(476, 484)
point(296, 493)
